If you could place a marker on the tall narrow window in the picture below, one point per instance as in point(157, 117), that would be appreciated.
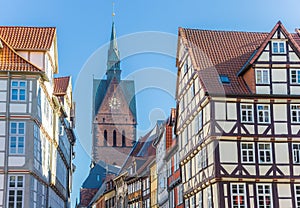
point(295, 113)
point(264, 196)
point(105, 138)
point(209, 198)
point(123, 139)
point(264, 151)
point(247, 113)
point(114, 138)
point(18, 90)
point(238, 195)
point(179, 194)
point(247, 151)
point(262, 76)
point(296, 153)
point(39, 102)
point(295, 76)
point(17, 138)
point(297, 193)
point(263, 113)
point(16, 192)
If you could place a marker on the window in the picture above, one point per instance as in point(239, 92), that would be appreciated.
point(123, 139)
point(39, 102)
point(17, 138)
point(209, 198)
point(176, 161)
point(263, 113)
point(296, 153)
point(199, 200)
point(295, 76)
point(278, 47)
point(105, 138)
point(179, 194)
point(192, 201)
point(297, 192)
point(224, 79)
point(18, 90)
point(15, 191)
point(172, 199)
point(262, 76)
point(295, 113)
point(169, 170)
point(114, 138)
point(247, 150)
point(238, 198)
point(37, 148)
point(264, 196)
point(264, 151)
point(247, 113)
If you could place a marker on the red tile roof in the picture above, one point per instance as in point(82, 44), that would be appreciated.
point(221, 53)
point(61, 85)
point(12, 61)
point(30, 38)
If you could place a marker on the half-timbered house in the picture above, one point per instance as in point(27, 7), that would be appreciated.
point(238, 118)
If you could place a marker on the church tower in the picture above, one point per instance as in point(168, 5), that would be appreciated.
point(114, 111)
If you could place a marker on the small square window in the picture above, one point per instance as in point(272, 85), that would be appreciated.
point(224, 79)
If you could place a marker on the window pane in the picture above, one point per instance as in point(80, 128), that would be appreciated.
point(14, 83)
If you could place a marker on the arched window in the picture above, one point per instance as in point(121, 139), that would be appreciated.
point(105, 138)
point(114, 138)
point(123, 139)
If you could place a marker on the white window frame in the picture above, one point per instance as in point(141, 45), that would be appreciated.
point(297, 196)
point(263, 152)
point(295, 113)
point(264, 195)
point(248, 113)
point(199, 200)
point(263, 112)
point(262, 76)
point(176, 161)
point(240, 191)
point(19, 89)
point(17, 136)
point(295, 76)
point(15, 187)
point(296, 153)
point(209, 197)
point(179, 194)
point(278, 47)
point(246, 152)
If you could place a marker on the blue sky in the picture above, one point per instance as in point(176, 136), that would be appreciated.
point(83, 27)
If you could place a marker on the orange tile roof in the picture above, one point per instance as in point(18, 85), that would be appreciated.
point(30, 38)
point(12, 61)
point(61, 85)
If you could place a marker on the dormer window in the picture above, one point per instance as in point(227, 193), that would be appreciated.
point(278, 47)
point(224, 79)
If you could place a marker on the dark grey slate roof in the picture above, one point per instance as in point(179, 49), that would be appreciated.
point(100, 88)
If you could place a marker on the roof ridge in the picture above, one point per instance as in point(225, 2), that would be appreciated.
point(216, 30)
point(19, 26)
point(23, 59)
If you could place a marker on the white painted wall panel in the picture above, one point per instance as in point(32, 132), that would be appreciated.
point(285, 203)
point(2, 143)
point(229, 168)
point(281, 153)
point(1, 198)
point(24, 54)
point(37, 58)
point(2, 107)
point(281, 128)
point(264, 169)
point(261, 129)
point(17, 108)
point(279, 75)
point(1, 181)
point(2, 156)
point(280, 112)
point(293, 57)
point(264, 56)
point(278, 58)
point(250, 169)
point(231, 111)
point(295, 90)
point(3, 84)
point(2, 96)
point(295, 129)
point(228, 152)
point(262, 90)
point(226, 126)
point(280, 89)
point(16, 161)
point(2, 128)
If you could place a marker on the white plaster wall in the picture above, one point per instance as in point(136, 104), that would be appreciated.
point(37, 58)
point(280, 112)
point(279, 75)
point(295, 90)
point(280, 89)
point(281, 153)
point(228, 152)
point(250, 169)
point(264, 56)
point(231, 111)
point(16, 161)
point(2, 143)
point(278, 58)
point(2, 128)
point(1, 198)
point(293, 57)
point(2, 156)
point(3, 84)
point(262, 90)
point(2, 107)
point(220, 111)
point(284, 190)
point(24, 54)
point(281, 128)
point(17, 108)
point(2, 96)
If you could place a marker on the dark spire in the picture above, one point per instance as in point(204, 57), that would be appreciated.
point(113, 58)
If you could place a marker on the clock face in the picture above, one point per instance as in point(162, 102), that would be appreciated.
point(114, 103)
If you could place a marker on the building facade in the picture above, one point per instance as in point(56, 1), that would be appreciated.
point(237, 124)
point(36, 119)
point(114, 112)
